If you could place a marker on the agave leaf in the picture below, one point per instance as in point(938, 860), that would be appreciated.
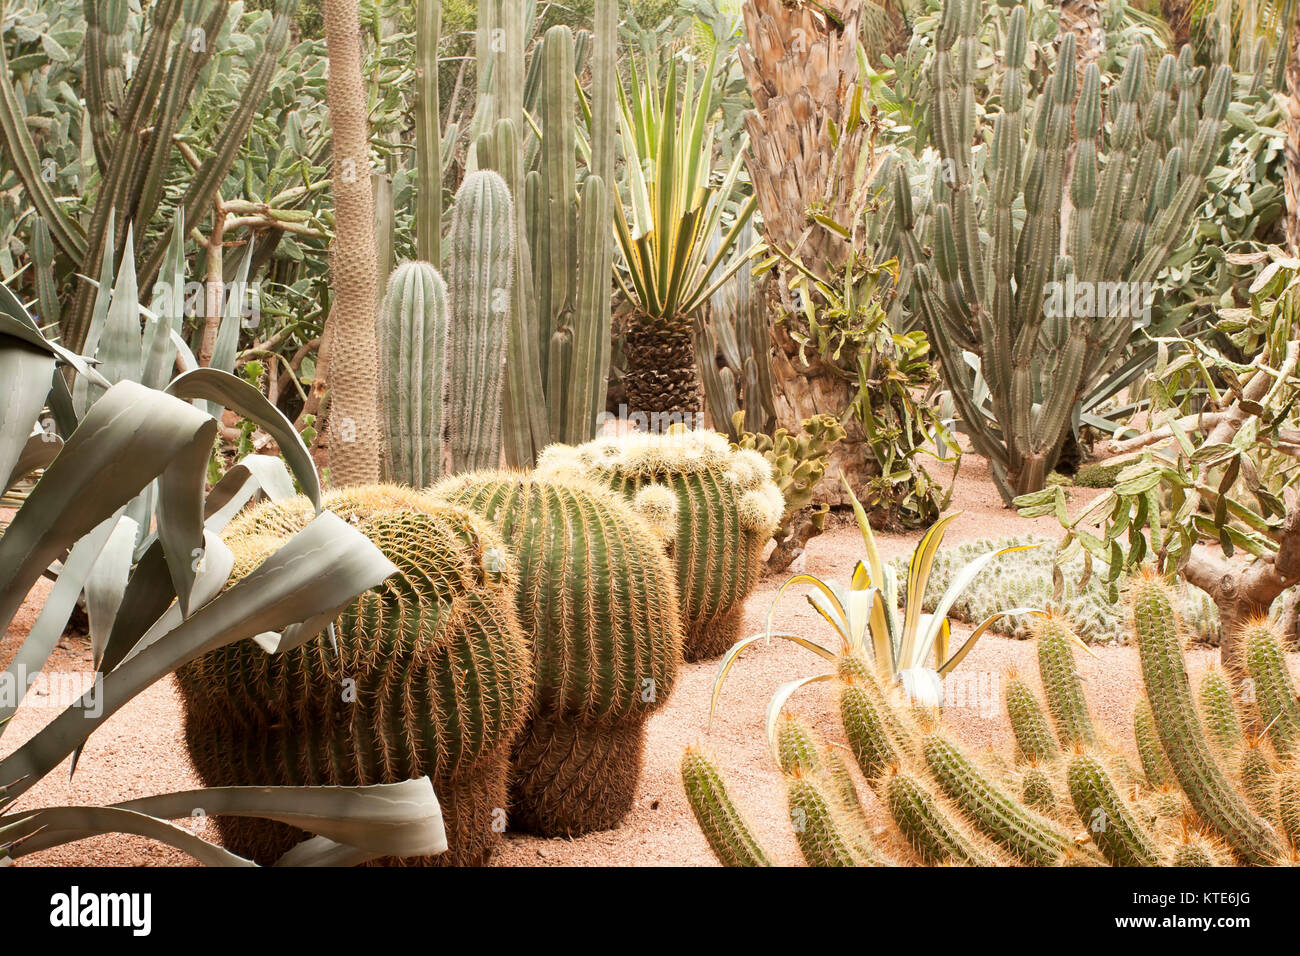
point(244, 399)
point(55, 826)
point(960, 582)
point(316, 568)
point(874, 563)
point(23, 327)
point(226, 348)
point(922, 686)
point(25, 375)
point(976, 634)
point(53, 618)
point(107, 581)
point(41, 449)
point(253, 475)
point(918, 576)
point(780, 699)
point(733, 654)
point(824, 587)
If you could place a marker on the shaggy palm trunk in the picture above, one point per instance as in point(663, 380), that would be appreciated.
point(352, 371)
point(801, 65)
point(661, 375)
point(1178, 14)
point(1083, 19)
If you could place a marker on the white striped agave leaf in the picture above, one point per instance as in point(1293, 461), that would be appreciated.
point(866, 618)
point(175, 606)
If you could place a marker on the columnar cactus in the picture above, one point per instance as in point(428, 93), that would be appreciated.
point(1029, 725)
point(728, 834)
point(1219, 711)
point(1061, 683)
point(431, 675)
point(984, 261)
point(1109, 818)
point(1274, 690)
point(728, 507)
point(413, 326)
point(1154, 762)
point(1288, 802)
point(480, 281)
point(926, 825)
point(1155, 626)
point(596, 595)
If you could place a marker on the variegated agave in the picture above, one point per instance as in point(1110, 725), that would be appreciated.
point(866, 617)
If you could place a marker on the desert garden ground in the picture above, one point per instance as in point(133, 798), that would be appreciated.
point(141, 750)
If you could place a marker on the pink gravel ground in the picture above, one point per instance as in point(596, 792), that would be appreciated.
point(141, 749)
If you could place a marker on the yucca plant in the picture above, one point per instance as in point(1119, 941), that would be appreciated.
point(172, 604)
point(666, 231)
point(867, 618)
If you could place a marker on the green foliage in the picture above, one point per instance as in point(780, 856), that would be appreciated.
point(798, 463)
point(1033, 358)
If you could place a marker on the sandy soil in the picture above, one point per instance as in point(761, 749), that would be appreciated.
point(141, 749)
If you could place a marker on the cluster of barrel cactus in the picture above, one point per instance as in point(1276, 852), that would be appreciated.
point(1217, 783)
point(720, 505)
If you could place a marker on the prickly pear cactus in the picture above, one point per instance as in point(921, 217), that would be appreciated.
point(432, 674)
point(727, 508)
point(595, 594)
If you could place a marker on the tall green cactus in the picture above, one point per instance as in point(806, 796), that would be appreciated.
point(727, 508)
point(1274, 690)
point(1029, 725)
point(597, 597)
point(412, 334)
point(432, 674)
point(428, 134)
point(1107, 815)
point(1065, 697)
point(729, 836)
point(1201, 777)
point(480, 282)
point(1047, 306)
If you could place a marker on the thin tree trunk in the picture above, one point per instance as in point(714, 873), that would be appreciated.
point(1291, 107)
point(351, 369)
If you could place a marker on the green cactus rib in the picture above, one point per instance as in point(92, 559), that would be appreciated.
point(412, 333)
point(1036, 790)
point(1219, 712)
point(1106, 815)
point(1275, 691)
point(1029, 725)
point(1288, 803)
point(596, 595)
point(727, 833)
point(728, 507)
point(1181, 735)
point(432, 675)
point(928, 829)
point(480, 282)
point(1194, 850)
point(1065, 697)
point(1155, 765)
point(816, 829)
point(1026, 835)
point(1258, 777)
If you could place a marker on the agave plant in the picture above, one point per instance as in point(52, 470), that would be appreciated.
point(667, 230)
point(166, 602)
point(866, 617)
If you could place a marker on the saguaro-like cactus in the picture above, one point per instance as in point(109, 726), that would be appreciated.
point(1048, 307)
point(413, 365)
point(480, 281)
point(432, 674)
point(728, 506)
point(596, 595)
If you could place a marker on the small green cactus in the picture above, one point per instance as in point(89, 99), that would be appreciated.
point(1036, 790)
point(1110, 820)
point(1219, 712)
point(1033, 733)
point(1065, 698)
point(1154, 762)
point(726, 831)
point(927, 827)
point(412, 335)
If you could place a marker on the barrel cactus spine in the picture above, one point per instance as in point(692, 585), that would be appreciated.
point(432, 675)
point(596, 595)
point(728, 507)
point(480, 282)
point(413, 325)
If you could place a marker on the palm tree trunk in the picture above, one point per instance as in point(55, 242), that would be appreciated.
point(1178, 14)
point(1083, 19)
point(351, 359)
